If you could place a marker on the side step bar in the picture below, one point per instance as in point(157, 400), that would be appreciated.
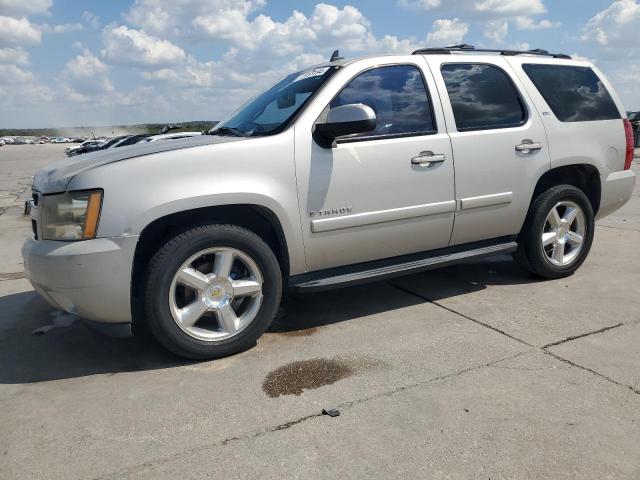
point(380, 270)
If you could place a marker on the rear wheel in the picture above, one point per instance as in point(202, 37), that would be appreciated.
point(557, 234)
point(212, 291)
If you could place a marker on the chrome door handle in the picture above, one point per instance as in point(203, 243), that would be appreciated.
point(528, 146)
point(428, 159)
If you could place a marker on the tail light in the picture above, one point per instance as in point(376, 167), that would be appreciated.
point(628, 133)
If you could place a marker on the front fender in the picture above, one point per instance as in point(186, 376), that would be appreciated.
point(258, 171)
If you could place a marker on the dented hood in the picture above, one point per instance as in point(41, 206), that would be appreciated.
point(57, 176)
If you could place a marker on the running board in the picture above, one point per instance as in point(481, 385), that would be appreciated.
point(394, 267)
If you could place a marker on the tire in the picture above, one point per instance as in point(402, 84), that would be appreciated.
point(563, 253)
point(213, 335)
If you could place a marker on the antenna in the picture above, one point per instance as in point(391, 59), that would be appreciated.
point(336, 56)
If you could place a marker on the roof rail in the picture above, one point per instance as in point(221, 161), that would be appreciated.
point(465, 48)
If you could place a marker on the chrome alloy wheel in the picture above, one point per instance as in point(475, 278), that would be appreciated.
point(216, 293)
point(563, 233)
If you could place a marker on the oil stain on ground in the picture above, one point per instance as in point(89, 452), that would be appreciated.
point(295, 377)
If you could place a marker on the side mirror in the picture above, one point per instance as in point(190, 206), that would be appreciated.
point(344, 120)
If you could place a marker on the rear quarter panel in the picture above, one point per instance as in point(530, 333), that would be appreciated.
point(598, 143)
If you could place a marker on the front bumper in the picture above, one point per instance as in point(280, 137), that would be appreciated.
point(91, 278)
point(617, 188)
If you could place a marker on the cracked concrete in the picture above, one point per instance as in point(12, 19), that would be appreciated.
point(481, 372)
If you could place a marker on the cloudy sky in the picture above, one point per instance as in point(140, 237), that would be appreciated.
point(97, 62)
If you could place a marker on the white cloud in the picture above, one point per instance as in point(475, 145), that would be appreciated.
point(482, 8)
point(625, 79)
point(447, 32)
point(173, 18)
point(510, 7)
point(520, 46)
point(85, 65)
point(61, 28)
point(422, 4)
point(17, 56)
point(18, 31)
point(496, 31)
point(527, 23)
point(327, 27)
point(392, 44)
point(125, 46)
point(86, 73)
point(615, 26)
point(27, 93)
point(24, 7)
point(11, 74)
point(90, 19)
point(192, 74)
point(348, 26)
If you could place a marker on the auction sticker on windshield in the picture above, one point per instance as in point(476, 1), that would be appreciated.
point(314, 72)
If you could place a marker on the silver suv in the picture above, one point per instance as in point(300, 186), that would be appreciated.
point(350, 171)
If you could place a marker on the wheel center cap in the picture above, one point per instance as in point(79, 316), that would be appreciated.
point(219, 293)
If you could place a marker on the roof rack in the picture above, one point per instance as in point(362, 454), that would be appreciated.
point(465, 48)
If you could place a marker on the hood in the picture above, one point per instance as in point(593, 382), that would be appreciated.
point(56, 177)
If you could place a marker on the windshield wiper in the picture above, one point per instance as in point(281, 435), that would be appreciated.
point(228, 131)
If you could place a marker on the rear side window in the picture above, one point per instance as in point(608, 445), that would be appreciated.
point(397, 95)
point(574, 94)
point(482, 97)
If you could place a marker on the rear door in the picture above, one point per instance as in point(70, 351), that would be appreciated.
point(499, 144)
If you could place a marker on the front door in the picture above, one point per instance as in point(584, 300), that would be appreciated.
point(381, 194)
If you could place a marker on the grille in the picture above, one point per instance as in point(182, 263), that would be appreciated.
point(35, 197)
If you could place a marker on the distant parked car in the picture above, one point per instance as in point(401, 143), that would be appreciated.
point(99, 145)
point(634, 118)
point(73, 150)
point(130, 140)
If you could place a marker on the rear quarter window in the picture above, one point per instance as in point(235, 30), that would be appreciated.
point(574, 94)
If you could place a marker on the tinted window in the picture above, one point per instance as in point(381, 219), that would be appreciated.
point(396, 94)
point(482, 97)
point(574, 94)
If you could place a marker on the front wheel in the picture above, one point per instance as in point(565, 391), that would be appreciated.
point(557, 234)
point(212, 291)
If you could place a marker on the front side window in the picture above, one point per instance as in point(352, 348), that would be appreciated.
point(482, 97)
point(271, 111)
point(574, 94)
point(397, 95)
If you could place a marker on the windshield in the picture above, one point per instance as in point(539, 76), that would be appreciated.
point(271, 111)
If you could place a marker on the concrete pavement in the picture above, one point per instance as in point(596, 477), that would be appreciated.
point(474, 371)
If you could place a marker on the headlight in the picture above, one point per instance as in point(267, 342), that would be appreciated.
point(71, 215)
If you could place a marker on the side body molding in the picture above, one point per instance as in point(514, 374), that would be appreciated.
point(486, 200)
point(380, 216)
